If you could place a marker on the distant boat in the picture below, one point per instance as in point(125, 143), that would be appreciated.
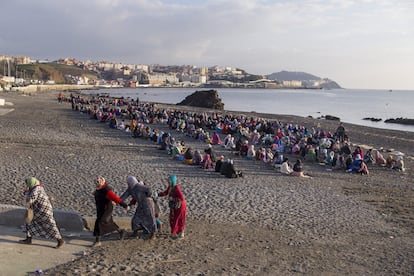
point(390, 90)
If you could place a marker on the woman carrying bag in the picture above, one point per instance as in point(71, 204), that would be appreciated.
point(41, 222)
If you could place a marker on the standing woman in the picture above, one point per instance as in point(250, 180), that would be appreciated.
point(105, 200)
point(144, 216)
point(43, 223)
point(177, 204)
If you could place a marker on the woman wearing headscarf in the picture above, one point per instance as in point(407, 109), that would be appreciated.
point(105, 199)
point(144, 216)
point(177, 204)
point(285, 167)
point(43, 223)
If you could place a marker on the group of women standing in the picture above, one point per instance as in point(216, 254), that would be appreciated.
point(146, 211)
point(145, 218)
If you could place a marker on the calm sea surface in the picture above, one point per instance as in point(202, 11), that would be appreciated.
point(351, 105)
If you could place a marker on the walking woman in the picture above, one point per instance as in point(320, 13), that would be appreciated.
point(43, 223)
point(144, 216)
point(105, 200)
point(177, 204)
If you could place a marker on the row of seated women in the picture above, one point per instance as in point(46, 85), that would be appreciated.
point(272, 144)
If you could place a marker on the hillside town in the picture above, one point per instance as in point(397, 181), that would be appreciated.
point(20, 71)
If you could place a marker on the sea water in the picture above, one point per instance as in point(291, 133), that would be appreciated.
point(350, 105)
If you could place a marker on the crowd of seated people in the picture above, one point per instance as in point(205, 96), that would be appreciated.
point(253, 138)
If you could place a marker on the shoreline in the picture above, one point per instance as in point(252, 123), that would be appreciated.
point(263, 223)
point(359, 120)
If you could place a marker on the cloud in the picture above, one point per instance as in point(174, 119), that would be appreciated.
point(262, 36)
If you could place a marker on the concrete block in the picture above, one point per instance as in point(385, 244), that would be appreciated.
point(67, 221)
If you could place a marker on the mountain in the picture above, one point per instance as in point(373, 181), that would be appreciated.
point(288, 76)
point(308, 80)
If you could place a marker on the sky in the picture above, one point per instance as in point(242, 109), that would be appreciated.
point(361, 44)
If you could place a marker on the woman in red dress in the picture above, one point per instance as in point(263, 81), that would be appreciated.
point(177, 204)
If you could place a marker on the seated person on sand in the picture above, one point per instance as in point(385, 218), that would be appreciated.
point(207, 163)
point(138, 131)
point(268, 156)
point(215, 139)
point(329, 158)
point(244, 147)
point(260, 154)
point(133, 125)
point(219, 163)
point(277, 159)
point(298, 169)
point(338, 162)
point(358, 166)
point(322, 154)
point(311, 154)
point(113, 122)
point(211, 152)
point(228, 170)
point(230, 145)
point(159, 137)
point(379, 158)
point(251, 153)
point(255, 139)
point(348, 160)
point(399, 164)
point(368, 159)
point(176, 150)
point(197, 158)
point(345, 149)
point(296, 149)
point(390, 162)
point(358, 150)
point(188, 156)
point(285, 167)
point(164, 141)
point(121, 125)
point(364, 168)
point(226, 140)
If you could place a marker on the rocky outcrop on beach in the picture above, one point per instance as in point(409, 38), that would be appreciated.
point(402, 121)
point(372, 119)
point(331, 118)
point(205, 99)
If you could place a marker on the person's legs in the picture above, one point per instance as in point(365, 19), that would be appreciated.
point(97, 241)
point(60, 242)
point(27, 240)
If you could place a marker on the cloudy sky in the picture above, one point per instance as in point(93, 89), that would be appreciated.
point(358, 43)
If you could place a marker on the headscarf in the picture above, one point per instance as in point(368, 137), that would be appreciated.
point(173, 180)
point(131, 180)
point(32, 182)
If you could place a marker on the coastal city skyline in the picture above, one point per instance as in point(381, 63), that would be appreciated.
point(359, 44)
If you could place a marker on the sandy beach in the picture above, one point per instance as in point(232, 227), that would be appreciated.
point(334, 223)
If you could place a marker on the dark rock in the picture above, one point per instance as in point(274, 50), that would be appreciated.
point(332, 118)
point(402, 121)
point(206, 99)
point(372, 119)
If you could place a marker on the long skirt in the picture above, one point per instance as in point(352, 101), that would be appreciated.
point(105, 224)
point(144, 216)
point(43, 225)
point(177, 219)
